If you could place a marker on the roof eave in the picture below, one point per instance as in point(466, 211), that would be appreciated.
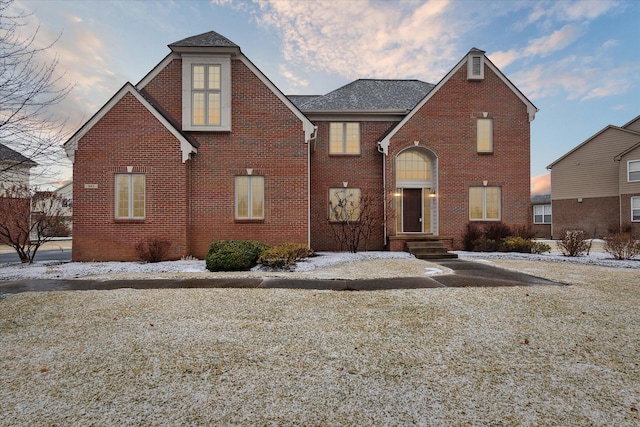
point(233, 51)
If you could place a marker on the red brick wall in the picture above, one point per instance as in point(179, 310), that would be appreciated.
point(625, 212)
point(446, 124)
point(128, 135)
point(363, 171)
point(593, 215)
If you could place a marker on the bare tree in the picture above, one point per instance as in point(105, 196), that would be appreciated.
point(353, 219)
point(30, 90)
point(29, 219)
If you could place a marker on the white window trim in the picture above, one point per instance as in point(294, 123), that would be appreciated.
point(188, 61)
point(637, 199)
point(543, 214)
point(344, 139)
point(490, 121)
point(249, 216)
point(629, 170)
point(470, 74)
point(131, 208)
point(484, 205)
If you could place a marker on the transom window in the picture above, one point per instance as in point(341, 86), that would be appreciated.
point(413, 165)
point(484, 203)
point(250, 197)
point(130, 196)
point(542, 214)
point(485, 135)
point(635, 209)
point(205, 87)
point(344, 204)
point(344, 138)
point(633, 168)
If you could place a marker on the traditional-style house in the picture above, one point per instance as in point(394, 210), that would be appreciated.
point(205, 147)
point(595, 187)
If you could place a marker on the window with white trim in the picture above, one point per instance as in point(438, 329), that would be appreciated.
point(344, 204)
point(633, 170)
point(485, 135)
point(542, 214)
point(206, 93)
point(130, 196)
point(344, 138)
point(250, 197)
point(475, 67)
point(484, 203)
point(635, 209)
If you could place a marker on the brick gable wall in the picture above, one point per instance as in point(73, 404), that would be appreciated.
point(446, 125)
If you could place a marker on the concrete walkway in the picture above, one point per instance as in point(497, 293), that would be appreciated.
point(467, 274)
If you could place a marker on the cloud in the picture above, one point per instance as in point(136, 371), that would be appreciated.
point(563, 11)
point(297, 82)
point(555, 41)
point(541, 184)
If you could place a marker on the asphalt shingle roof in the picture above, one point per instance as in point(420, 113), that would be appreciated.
point(210, 39)
point(368, 95)
point(9, 155)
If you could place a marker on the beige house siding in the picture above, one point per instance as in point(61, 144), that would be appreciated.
point(590, 171)
point(627, 187)
point(633, 125)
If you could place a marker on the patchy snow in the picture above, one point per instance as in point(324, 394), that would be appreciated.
point(594, 258)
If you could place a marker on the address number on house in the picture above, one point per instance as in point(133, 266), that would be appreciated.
point(91, 186)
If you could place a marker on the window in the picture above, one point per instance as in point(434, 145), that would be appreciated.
point(475, 67)
point(635, 209)
point(542, 214)
point(633, 168)
point(344, 204)
point(344, 138)
point(413, 165)
point(484, 203)
point(206, 93)
point(485, 135)
point(130, 195)
point(249, 197)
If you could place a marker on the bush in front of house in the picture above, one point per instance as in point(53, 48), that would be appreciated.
point(155, 250)
point(284, 256)
point(574, 243)
point(234, 255)
point(622, 243)
point(499, 237)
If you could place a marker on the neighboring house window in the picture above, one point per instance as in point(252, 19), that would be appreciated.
point(344, 204)
point(542, 214)
point(485, 135)
point(344, 138)
point(484, 203)
point(475, 67)
point(635, 209)
point(250, 197)
point(206, 93)
point(130, 196)
point(633, 168)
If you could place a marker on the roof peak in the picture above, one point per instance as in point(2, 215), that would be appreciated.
point(208, 39)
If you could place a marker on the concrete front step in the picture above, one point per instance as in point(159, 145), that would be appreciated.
point(439, 255)
point(429, 249)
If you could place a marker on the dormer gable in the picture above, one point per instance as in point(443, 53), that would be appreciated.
point(475, 64)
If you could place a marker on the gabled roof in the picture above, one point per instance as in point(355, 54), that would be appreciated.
point(609, 127)
point(383, 145)
point(12, 156)
point(300, 100)
point(541, 198)
point(627, 151)
point(370, 95)
point(209, 39)
point(187, 144)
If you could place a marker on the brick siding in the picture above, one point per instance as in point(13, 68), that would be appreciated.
point(593, 215)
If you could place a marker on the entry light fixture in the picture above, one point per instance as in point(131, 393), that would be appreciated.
point(432, 193)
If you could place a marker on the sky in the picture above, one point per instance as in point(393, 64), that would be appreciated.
point(577, 61)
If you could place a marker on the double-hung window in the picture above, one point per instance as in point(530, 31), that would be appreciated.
point(635, 209)
point(344, 204)
point(344, 138)
point(484, 203)
point(130, 196)
point(633, 170)
point(250, 197)
point(206, 93)
point(485, 135)
point(542, 214)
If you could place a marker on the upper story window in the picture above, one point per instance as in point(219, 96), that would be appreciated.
point(413, 165)
point(344, 138)
point(485, 135)
point(250, 197)
point(130, 196)
point(475, 67)
point(206, 93)
point(542, 214)
point(633, 170)
point(484, 203)
point(344, 204)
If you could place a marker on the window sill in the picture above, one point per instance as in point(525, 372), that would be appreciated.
point(129, 220)
point(344, 155)
point(249, 221)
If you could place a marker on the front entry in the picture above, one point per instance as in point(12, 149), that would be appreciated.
point(412, 210)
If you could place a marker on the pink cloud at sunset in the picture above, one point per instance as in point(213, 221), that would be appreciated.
point(541, 184)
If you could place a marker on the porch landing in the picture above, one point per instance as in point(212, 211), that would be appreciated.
point(422, 246)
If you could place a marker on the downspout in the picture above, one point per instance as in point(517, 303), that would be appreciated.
point(384, 195)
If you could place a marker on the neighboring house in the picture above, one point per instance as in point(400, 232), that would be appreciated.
point(15, 169)
point(541, 207)
point(596, 186)
point(65, 193)
point(205, 147)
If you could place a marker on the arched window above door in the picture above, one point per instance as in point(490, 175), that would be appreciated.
point(413, 165)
